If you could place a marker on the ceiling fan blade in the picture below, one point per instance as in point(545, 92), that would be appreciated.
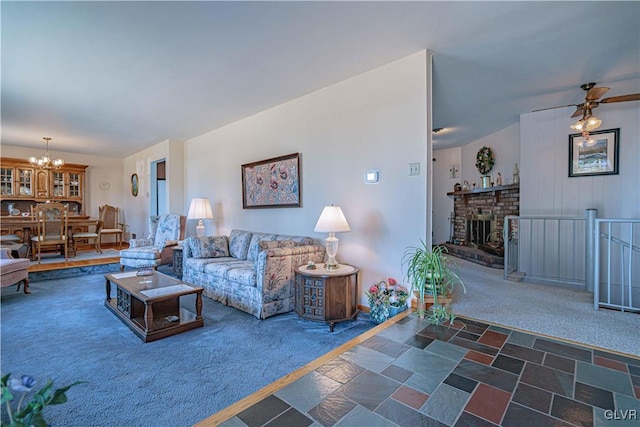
point(551, 108)
point(622, 98)
point(579, 112)
point(596, 92)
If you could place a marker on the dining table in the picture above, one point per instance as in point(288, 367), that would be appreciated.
point(29, 226)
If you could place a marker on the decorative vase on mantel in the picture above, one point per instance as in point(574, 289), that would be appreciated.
point(486, 181)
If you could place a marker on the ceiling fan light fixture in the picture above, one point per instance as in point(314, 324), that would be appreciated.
point(578, 126)
point(593, 123)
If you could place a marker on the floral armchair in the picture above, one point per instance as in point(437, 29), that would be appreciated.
point(157, 249)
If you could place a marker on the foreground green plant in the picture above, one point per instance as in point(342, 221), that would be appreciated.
point(31, 414)
point(428, 270)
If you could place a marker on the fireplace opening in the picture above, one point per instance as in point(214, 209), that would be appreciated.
point(478, 228)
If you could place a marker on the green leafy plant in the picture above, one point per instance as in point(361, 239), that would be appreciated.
point(430, 271)
point(31, 413)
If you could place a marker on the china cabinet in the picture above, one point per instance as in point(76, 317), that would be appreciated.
point(23, 185)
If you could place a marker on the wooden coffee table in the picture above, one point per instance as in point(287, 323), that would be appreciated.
point(150, 305)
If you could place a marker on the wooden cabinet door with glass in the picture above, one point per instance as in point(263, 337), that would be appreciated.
point(25, 185)
point(7, 184)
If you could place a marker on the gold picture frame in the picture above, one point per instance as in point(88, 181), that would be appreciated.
point(134, 185)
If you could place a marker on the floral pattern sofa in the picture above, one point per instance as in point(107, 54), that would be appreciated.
point(251, 271)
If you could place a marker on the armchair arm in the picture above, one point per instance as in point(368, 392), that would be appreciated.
point(169, 243)
point(137, 243)
point(275, 269)
point(5, 253)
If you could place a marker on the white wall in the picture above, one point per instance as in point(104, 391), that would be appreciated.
point(138, 208)
point(376, 120)
point(101, 169)
point(442, 184)
point(545, 186)
point(506, 150)
point(546, 189)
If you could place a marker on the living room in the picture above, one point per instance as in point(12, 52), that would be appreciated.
point(376, 119)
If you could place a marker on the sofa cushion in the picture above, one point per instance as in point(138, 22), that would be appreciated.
point(208, 246)
point(240, 272)
point(239, 241)
point(275, 244)
point(254, 248)
point(199, 264)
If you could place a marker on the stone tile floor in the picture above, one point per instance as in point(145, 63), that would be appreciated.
point(470, 374)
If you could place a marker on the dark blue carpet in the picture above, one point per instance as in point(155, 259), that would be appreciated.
point(63, 331)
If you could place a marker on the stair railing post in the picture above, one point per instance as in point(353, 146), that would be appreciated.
point(590, 249)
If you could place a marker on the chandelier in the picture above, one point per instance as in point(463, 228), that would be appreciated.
point(45, 161)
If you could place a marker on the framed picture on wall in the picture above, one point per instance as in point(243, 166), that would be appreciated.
point(598, 154)
point(272, 183)
point(134, 185)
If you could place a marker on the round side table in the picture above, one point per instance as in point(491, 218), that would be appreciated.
point(327, 295)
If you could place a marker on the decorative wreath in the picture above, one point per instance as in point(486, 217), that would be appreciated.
point(484, 160)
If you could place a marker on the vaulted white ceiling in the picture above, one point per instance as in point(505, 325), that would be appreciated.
point(112, 78)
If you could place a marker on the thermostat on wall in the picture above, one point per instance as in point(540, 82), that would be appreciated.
point(372, 177)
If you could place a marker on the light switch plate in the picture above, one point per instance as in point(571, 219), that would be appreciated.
point(414, 169)
point(372, 176)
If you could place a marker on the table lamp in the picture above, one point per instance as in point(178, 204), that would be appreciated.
point(200, 209)
point(332, 221)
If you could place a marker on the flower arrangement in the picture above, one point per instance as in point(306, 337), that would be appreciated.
point(31, 414)
point(484, 160)
point(389, 293)
point(386, 299)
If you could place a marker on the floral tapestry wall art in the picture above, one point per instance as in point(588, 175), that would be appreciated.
point(272, 183)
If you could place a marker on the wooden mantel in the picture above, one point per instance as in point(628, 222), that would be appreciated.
point(496, 190)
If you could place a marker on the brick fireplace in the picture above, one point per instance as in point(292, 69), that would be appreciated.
point(478, 221)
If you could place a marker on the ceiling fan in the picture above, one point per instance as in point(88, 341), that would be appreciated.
point(589, 122)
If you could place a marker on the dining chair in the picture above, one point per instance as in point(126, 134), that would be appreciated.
point(52, 224)
point(110, 217)
point(88, 235)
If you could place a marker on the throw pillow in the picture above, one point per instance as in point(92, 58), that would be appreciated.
point(275, 244)
point(239, 243)
point(209, 246)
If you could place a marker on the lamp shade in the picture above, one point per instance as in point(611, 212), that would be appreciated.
point(200, 208)
point(332, 220)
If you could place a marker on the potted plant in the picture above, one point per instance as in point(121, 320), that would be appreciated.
point(430, 272)
point(31, 413)
point(386, 300)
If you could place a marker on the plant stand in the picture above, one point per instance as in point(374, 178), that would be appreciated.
point(429, 300)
